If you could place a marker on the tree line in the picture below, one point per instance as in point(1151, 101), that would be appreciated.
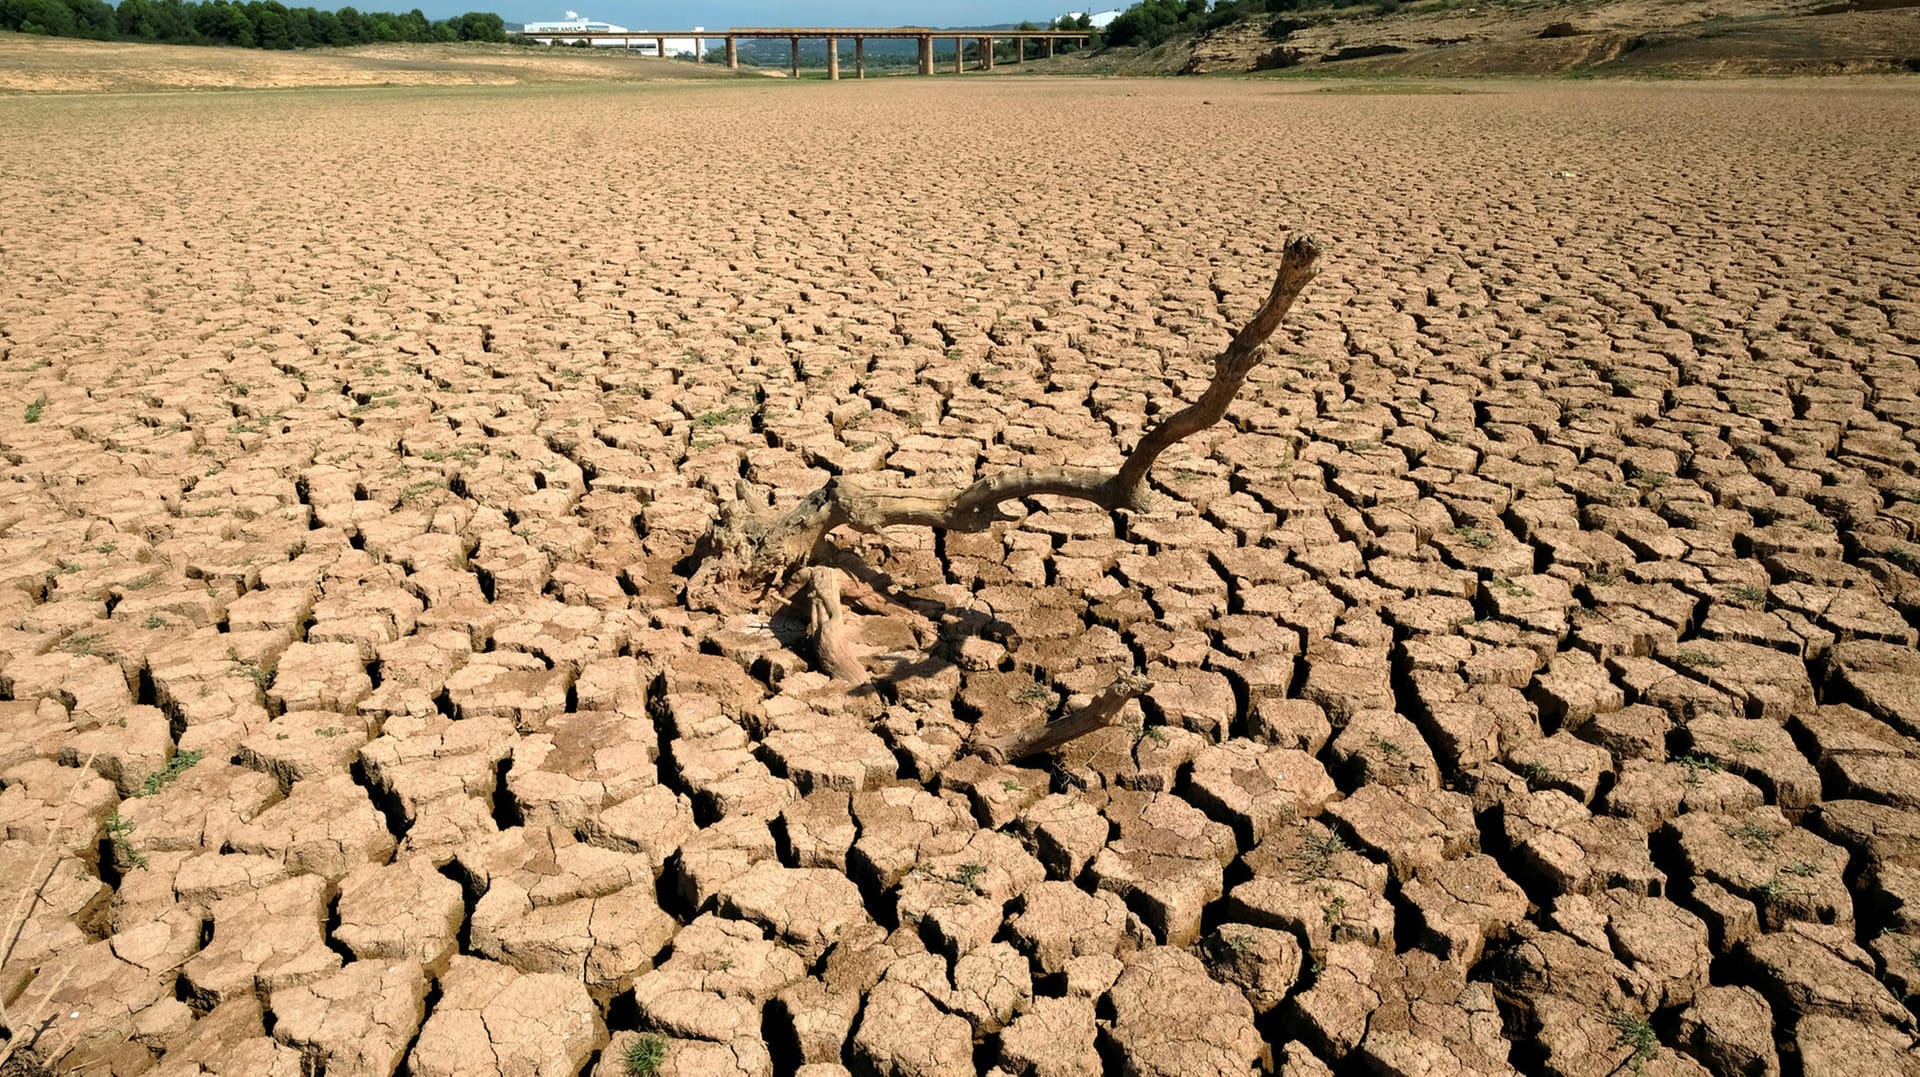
point(262, 24)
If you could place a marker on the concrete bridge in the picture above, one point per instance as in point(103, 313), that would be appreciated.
point(833, 34)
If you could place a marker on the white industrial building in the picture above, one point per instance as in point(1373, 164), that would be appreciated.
point(1098, 19)
point(554, 33)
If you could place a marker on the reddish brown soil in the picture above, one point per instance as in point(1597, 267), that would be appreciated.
point(1533, 652)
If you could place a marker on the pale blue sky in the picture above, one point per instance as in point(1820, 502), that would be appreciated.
point(720, 14)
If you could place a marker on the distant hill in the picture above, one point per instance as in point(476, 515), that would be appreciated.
point(1530, 37)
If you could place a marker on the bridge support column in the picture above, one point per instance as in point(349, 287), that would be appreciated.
point(1020, 50)
point(699, 50)
point(733, 55)
point(926, 55)
point(793, 68)
point(986, 54)
point(833, 59)
point(959, 55)
point(1049, 48)
point(660, 47)
point(859, 57)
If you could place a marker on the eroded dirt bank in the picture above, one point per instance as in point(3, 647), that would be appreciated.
point(1535, 681)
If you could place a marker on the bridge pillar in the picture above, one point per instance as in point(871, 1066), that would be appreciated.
point(1020, 50)
point(1049, 48)
point(699, 50)
point(660, 47)
point(926, 55)
point(859, 57)
point(733, 55)
point(794, 67)
point(986, 54)
point(959, 56)
point(833, 59)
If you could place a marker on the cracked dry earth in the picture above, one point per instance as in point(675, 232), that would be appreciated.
point(1535, 684)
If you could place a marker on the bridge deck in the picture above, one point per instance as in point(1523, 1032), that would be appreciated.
point(814, 31)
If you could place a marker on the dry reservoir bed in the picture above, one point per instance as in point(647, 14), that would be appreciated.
point(1534, 663)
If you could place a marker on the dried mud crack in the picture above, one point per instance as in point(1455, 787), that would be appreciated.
point(1532, 649)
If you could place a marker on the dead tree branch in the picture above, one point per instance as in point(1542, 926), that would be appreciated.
point(747, 553)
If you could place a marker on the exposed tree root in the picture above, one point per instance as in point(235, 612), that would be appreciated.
point(827, 623)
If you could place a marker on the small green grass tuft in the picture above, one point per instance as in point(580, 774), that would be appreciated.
point(718, 417)
point(968, 875)
point(1238, 942)
point(1316, 859)
point(1333, 912)
point(1474, 537)
point(175, 767)
point(118, 830)
point(644, 1055)
point(1754, 836)
point(1637, 1033)
point(1696, 766)
point(34, 409)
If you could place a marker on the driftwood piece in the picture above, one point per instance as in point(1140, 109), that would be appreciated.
point(749, 553)
point(1099, 714)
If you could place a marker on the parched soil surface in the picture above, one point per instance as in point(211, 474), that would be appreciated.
point(33, 64)
point(1535, 683)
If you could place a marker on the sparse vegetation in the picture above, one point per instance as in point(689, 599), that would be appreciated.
point(1475, 537)
point(1636, 1033)
point(1316, 855)
point(119, 832)
point(644, 1055)
point(968, 876)
point(1334, 911)
point(1235, 943)
point(1697, 765)
point(1754, 836)
point(178, 765)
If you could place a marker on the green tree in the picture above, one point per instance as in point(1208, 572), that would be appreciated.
point(92, 18)
point(135, 18)
point(38, 17)
point(482, 26)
